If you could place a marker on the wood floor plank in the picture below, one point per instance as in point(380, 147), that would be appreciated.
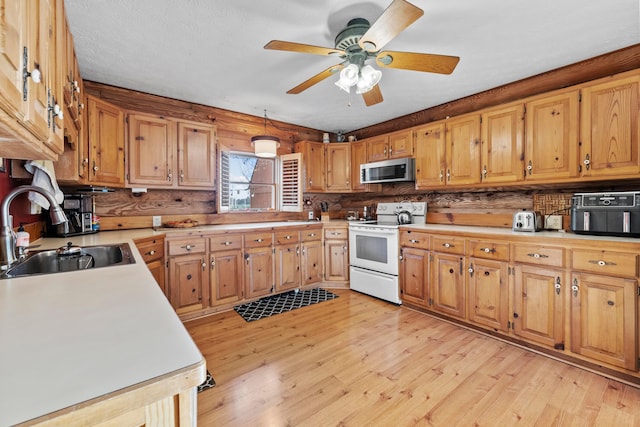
point(356, 361)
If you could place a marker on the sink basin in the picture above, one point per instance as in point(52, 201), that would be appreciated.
point(50, 261)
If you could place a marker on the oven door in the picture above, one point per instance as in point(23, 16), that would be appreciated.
point(374, 248)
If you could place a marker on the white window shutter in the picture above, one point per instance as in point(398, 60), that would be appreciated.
point(291, 182)
point(224, 182)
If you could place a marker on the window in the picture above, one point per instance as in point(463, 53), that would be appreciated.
point(247, 182)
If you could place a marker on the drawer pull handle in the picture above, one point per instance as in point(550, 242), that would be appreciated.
point(288, 237)
point(187, 247)
point(488, 250)
point(312, 235)
point(151, 253)
point(258, 240)
point(227, 243)
point(414, 241)
point(601, 263)
point(538, 255)
point(448, 245)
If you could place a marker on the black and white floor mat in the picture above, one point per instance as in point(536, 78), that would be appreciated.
point(208, 383)
point(280, 303)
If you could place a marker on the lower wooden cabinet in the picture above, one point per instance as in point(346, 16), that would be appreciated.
point(336, 253)
point(571, 295)
point(258, 272)
point(288, 266)
point(226, 272)
point(489, 293)
point(188, 275)
point(312, 256)
point(603, 319)
point(538, 305)
point(152, 251)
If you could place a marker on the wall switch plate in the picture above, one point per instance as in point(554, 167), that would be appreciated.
point(553, 222)
point(157, 221)
point(310, 215)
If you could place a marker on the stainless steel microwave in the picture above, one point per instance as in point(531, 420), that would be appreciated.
point(395, 170)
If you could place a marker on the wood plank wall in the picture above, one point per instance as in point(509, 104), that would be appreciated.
point(490, 207)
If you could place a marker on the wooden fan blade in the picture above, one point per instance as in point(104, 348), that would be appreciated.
point(426, 62)
point(331, 71)
point(302, 48)
point(398, 16)
point(374, 96)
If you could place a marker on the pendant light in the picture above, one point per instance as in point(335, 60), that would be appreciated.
point(265, 145)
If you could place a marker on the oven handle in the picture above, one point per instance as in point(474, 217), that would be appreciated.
point(370, 231)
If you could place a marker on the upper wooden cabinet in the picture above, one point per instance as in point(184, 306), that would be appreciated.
point(165, 153)
point(390, 146)
point(31, 42)
point(551, 145)
point(448, 152)
point(610, 127)
point(313, 153)
point(502, 144)
point(338, 167)
point(106, 143)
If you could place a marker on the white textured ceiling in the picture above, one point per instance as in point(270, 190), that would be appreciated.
point(211, 51)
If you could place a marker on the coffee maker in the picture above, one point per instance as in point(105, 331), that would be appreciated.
point(79, 211)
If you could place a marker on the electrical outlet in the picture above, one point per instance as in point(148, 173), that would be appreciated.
point(553, 222)
point(310, 215)
point(157, 221)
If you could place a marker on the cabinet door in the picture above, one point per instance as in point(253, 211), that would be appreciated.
point(12, 22)
point(463, 150)
point(414, 276)
point(151, 146)
point(157, 270)
point(226, 276)
point(358, 157)
point(401, 144)
point(488, 293)
point(336, 260)
point(258, 271)
point(502, 149)
point(377, 148)
point(338, 167)
point(106, 143)
point(37, 42)
point(287, 266)
point(196, 155)
point(552, 137)
point(187, 274)
point(57, 66)
point(538, 312)
point(610, 131)
point(313, 159)
point(430, 156)
point(603, 319)
point(448, 285)
point(312, 270)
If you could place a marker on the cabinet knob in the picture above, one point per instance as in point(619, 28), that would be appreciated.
point(151, 253)
point(258, 240)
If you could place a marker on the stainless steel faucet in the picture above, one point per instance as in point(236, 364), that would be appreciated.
point(7, 237)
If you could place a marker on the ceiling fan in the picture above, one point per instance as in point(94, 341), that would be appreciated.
point(360, 41)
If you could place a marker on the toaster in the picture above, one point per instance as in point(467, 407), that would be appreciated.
point(527, 221)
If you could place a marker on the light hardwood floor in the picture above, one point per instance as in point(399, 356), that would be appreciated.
point(358, 361)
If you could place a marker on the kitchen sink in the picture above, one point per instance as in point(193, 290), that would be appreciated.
point(53, 261)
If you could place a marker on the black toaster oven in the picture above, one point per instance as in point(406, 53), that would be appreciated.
point(606, 214)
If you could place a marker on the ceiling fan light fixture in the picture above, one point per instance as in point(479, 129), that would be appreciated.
point(348, 77)
point(265, 146)
point(369, 77)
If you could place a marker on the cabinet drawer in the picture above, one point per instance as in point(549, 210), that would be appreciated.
point(336, 233)
point(185, 246)
point(608, 262)
point(231, 241)
point(284, 237)
point(151, 250)
point(413, 239)
point(254, 240)
point(311, 234)
point(450, 245)
point(489, 250)
point(538, 255)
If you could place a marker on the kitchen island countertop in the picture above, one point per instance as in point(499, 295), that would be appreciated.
point(73, 339)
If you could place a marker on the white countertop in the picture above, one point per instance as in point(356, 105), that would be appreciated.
point(498, 231)
point(67, 338)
